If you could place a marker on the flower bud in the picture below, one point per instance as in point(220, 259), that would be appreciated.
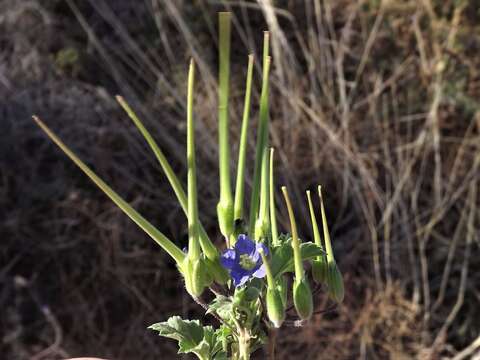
point(275, 307)
point(302, 299)
point(320, 269)
point(335, 283)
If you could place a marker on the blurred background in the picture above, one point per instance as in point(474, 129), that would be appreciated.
point(378, 101)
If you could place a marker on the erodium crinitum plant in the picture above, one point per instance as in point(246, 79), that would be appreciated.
point(258, 282)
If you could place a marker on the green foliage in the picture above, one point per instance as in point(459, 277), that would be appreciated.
point(282, 256)
point(222, 306)
point(192, 337)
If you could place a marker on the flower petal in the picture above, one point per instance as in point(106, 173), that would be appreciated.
point(244, 245)
point(262, 246)
point(256, 257)
point(239, 277)
point(260, 272)
point(229, 259)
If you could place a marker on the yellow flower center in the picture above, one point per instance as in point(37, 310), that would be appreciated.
point(246, 262)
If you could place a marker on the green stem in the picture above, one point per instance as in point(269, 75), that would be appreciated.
point(242, 150)
point(297, 256)
point(146, 226)
point(208, 248)
point(262, 227)
point(273, 214)
point(226, 200)
point(316, 232)
point(244, 347)
point(194, 250)
point(326, 233)
point(262, 138)
point(268, 270)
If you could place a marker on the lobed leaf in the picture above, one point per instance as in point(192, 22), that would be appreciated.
point(192, 337)
point(282, 256)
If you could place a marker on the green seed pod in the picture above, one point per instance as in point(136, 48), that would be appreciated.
point(335, 283)
point(275, 307)
point(225, 217)
point(282, 286)
point(320, 270)
point(275, 301)
point(196, 276)
point(302, 299)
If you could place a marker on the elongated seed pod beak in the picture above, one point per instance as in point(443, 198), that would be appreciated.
point(262, 137)
point(196, 274)
point(273, 211)
point(174, 251)
point(207, 246)
point(225, 205)
point(319, 265)
point(242, 148)
point(262, 226)
point(297, 256)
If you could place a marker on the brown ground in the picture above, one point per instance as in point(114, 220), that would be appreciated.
point(375, 100)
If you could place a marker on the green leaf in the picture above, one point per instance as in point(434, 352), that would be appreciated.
point(222, 306)
point(192, 337)
point(282, 255)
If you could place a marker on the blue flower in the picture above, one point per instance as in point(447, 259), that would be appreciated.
point(244, 261)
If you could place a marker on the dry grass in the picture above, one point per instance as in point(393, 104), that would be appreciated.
point(375, 100)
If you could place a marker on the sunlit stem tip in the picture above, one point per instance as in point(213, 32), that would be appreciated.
point(297, 257)
point(319, 265)
point(175, 252)
point(326, 233)
point(225, 205)
point(316, 233)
